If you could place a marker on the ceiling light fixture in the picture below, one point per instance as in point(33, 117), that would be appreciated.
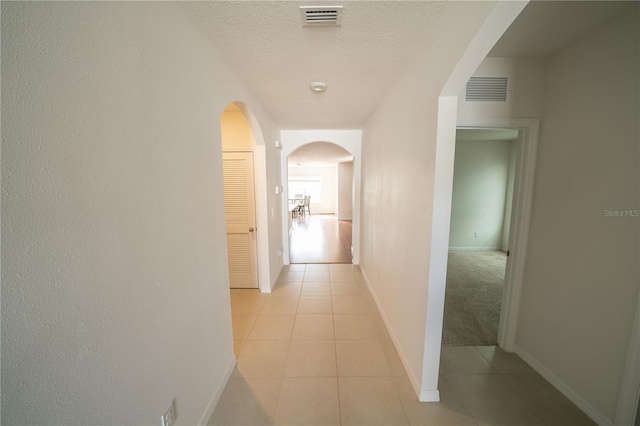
point(318, 86)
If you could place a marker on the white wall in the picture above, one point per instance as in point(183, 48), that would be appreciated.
point(526, 82)
point(114, 267)
point(399, 185)
point(236, 131)
point(328, 186)
point(480, 178)
point(582, 279)
point(345, 190)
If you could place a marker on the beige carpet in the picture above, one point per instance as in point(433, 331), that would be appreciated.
point(475, 281)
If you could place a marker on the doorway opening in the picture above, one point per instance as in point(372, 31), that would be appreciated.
point(241, 165)
point(482, 198)
point(320, 204)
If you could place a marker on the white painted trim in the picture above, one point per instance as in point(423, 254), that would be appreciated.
point(274, 278)
point(476, 248)
point(630, 386)
point(213, 402)
point(438, 256)
point(521, 213)
point(262, 217)
point(564, 389)
point(430, 396)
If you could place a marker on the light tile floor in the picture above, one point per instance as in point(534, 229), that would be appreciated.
point(316, 352)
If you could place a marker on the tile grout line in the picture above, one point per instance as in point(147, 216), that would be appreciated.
point(335, 348)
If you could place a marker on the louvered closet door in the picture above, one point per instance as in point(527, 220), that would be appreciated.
point(240, 209)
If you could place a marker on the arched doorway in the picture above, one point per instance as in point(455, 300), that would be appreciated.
point(244, 170)
point(351, 141)
point(320, 204)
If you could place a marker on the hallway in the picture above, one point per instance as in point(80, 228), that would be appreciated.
point(316, 351)
point(320, 239)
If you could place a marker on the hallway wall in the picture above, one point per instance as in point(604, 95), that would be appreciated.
point(398, 187)
point(582, 277)
point(115, 293)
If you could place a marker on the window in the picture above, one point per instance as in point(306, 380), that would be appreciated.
point(306, 185)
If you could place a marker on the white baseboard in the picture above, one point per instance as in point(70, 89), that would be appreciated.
point(206, 416)
point(423, 396)
point(274, 279)
point(476, 248)
point(429, 396)
point(564, 389)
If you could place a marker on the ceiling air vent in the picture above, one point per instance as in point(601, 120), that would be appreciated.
point(487, 89)
point(321, 15)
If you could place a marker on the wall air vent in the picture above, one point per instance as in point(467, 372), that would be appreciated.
point(321, 15)
point(487, 89)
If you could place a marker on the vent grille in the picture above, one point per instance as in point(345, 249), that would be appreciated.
point(487, 89)
point(321, 15)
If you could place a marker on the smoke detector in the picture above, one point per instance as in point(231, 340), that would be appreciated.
point(321, 15)
point(318, 86)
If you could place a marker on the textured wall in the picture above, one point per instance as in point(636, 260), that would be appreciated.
point(581, 278)
point(114, 278)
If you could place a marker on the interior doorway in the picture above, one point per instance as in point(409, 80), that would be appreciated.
point(320, 204)
point(483, 183)
point(238, 146)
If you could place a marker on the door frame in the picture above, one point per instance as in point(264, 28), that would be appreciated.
point(526, 145)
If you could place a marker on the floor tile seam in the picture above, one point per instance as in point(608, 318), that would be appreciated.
point(521, 400)
point(353, 339)
point(475, 347)
point(462, 400)
point(253, 324)
point(470, 374)
point(518, 393)
point(335, 353)
point(402, 402)
point(397, 393)
point(342, 376)
point(275, 412)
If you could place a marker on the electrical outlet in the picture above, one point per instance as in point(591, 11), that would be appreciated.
point(476, 234)
point(279, 253)
point(169, 417)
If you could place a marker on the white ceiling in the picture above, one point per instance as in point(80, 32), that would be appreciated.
point(278, 58)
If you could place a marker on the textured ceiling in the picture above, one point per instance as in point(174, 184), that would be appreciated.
point(278, 57)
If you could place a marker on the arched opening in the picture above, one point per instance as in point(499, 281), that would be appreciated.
point(244, 172)
point(320, 204)
point(350, 141)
